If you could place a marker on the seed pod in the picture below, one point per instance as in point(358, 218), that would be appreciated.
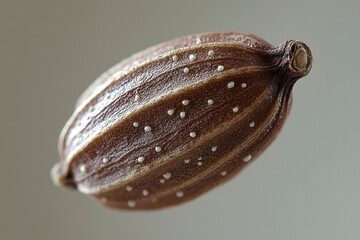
point(177, 119)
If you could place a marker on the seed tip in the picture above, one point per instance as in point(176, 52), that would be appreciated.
point(175, 58)
point(131, 204)
point(167, 175)
point(192, 57)
point(180, 194)
point(247, 158)
point(230, 84)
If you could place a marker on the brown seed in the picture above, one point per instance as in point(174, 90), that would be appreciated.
point(232, 92)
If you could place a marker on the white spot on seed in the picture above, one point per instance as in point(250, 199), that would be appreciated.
point(210, 102)
point(192, 134)
point(198, 40)
point(180, 194)
point(145, 192)
point(157, 149)
point(187, 160)
point(199, 158)
point(230, 84)
point(136, 124)
point(186, 70)
point(235, 109)
point(167, 175)
point(252, 124)
point(243, 85)
point(129, 188)
point(247, 158)
point(185, 102)
point(214, 148)
point(182, 114)
point(83, 168)
point(147, 129)
point(131, 203)
point(199, 163)
point(105, 160)
point(141, 159)
point(223, 173)
point(170, 112)
point(175, 58)
point(192, 57)
point(211, 53)
point(137, 97)
point(162, 180)
point(220, 68)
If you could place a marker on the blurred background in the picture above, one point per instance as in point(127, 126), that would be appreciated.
point(305, 186)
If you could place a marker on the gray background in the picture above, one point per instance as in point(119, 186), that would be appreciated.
point(305, 186)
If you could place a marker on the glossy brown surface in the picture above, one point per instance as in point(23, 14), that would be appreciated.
point(175, 120)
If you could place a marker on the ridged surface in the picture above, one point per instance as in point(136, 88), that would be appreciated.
point(175, 120)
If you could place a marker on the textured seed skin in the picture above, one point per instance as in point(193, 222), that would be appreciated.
point(173, 121)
